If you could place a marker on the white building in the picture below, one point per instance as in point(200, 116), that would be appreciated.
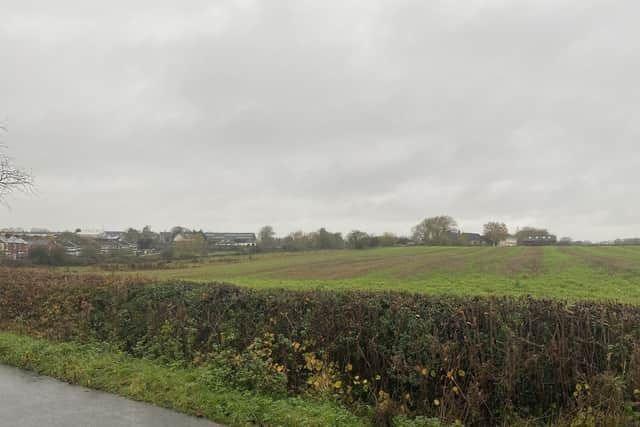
point(508, 242)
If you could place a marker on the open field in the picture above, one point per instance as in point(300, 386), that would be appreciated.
point(559, 272)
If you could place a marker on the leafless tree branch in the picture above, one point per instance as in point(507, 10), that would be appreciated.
point(12, 178)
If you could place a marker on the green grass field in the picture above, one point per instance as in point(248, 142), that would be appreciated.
point(558, 272)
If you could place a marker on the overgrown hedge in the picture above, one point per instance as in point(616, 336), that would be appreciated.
point(484, 361)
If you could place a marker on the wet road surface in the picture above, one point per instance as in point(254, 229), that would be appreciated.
point(31, 400)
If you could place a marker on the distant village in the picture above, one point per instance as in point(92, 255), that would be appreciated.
point(41, 246)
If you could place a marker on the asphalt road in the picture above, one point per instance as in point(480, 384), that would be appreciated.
point(31, 400)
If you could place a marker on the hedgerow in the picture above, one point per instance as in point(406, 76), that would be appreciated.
point(479, 361)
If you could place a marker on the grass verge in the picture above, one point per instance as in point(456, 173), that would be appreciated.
point(178, 388)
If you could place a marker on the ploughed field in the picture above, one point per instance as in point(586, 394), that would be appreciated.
point(559, 272)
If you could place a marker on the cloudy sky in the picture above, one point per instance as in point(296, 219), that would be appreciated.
point(228, 115)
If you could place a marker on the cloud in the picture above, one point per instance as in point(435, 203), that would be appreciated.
point(367, 114)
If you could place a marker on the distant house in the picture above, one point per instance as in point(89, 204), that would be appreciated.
point(114, 241)
point(72, 249)
point(91, 234)
point(230, 240)
point(473, 239)
point(111, 235)
point(183, 237)
point(508, 242)
point(628, 241)
point(14, 248)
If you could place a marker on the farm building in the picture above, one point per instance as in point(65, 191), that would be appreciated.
point(183, 237)
point(473, 239)
point(538, 240)
point(508, 242)
point(90, 233)
point(111, 235)
point(114, 241)
point(230, 240)
point(72, 249)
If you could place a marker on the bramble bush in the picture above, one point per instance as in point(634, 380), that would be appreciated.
point(479, 361)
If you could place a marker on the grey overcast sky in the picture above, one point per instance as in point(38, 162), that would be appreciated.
point(228, 115)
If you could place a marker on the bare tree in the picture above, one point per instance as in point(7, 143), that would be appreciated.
point(358, 239)
point(266, 237)
point(12, 178)
point(495, 232)
point(437, 230)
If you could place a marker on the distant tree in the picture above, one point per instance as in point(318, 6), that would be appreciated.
point(495, 232)
point(147, 239)
point(530, 233)
point(194, 245)
point(58, 256)
point(266, 237)
point(48, 255)
point(12, 178)
point(387, 239)
point(179, 230)
point(89, 252)
point(167, 252)
point(67, 236)
point(296, 241)
point(358, 240)
point(438, 230)
point(403, 240)
point(323, 239)
point(266, 233)
point(565, 241)
point(132, 235)
point(39, 255)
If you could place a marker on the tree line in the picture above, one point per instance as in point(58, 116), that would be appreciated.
point(440, 230)
point(323, 239)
